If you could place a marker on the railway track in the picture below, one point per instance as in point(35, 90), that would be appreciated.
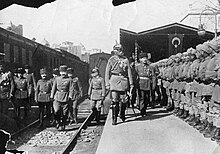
point(50, 140)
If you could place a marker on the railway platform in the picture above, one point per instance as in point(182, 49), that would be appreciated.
point(158, 133)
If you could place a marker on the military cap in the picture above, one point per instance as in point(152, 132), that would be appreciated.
point(70, 70)
point(26, 67)
point(143, 54)
point(63, 68)
point(95, 70)
point(117, 46)
point(20, 70)
point(43, 71)
point(56, 71)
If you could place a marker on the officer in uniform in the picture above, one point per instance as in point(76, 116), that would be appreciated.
point(61, 93)
point(42, 96)
point(6, 89)
point(96, 93)
point(135, 79)
point(77, 93)
point(118, 77)
point(21, 92)
point(145, 72)
point(31, 83)
point(55, 74)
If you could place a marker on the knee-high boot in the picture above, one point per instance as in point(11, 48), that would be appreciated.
point(122, 113)
point(98, 116)
point(75, 112)
point(115, 108)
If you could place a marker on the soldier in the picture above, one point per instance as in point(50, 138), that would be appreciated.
point(135, 79)
point(42, 96)
point(77, 93)
point(55, 74)
point(154, 86)
point(61, 93)
point(31, 83)
point(145, 72)
point(21, 93)
point(96, 93)
point(118, 77)
point(6, 89)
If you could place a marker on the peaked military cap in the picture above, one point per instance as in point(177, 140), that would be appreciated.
point(70, 70)
point(63, 68)
point(43, 71)
point(143, 54)
point(26, 67)
point(20, 70)
point(117, 46)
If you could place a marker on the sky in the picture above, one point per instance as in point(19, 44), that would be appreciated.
point(95, 23)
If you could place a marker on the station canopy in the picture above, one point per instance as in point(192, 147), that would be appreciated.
point(161, 42)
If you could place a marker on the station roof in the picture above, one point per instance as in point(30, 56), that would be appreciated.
point(156, 40)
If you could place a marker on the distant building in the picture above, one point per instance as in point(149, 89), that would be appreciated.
point(45, 42)
point(85, 57)
point(16, 29)
point(74, 48)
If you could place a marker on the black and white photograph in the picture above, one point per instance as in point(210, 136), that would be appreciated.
point(110, 77)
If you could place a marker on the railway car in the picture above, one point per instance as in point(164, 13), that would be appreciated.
point(17, 51)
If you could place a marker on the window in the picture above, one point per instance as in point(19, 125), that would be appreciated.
point(16, 57)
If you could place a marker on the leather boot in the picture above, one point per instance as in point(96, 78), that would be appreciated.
point(185, 114)
point(98, 117)
point(189, 118)
point(122, 113)
point(41, 121)
point(203, 126)
point(196, 122)
point(181, 111)
point(210, 131)
point(175, 111)
point(114, 117)
point(216, 136)
point(75, 112)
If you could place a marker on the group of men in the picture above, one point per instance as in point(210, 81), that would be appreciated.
point(59, 94)
point(127, 80)
point(190, 84)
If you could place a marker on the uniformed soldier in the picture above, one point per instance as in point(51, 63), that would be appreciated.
point(96, 93)
point(145, 72)
point(21, 93)
point(6, 89)
point(31, 83)
point(154, 85)
point(118, 77)
point(42, 96)
point(77, 93)
point(61, 93)
point(135, 79)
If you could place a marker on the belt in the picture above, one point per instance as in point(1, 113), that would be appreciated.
point(143, 77)
point(43, 92)
point(62, 91)
point(118, 74)
point(97, 88)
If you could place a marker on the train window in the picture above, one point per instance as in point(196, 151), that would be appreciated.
point(30, 57)
point(7, 52)
point(51, 63)
point(54, 62)
point(15, 54)
point(19, 54)
point(23, 55)
point(11, 53)
point(27, 57)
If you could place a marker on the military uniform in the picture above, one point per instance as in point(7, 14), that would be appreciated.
point(42, 96)
point(31, 84)
point(118, 77)
point(145, 73)
point(96, 93)
point(6, 89)
point(76, 91)
point(21, 92)
point(61, 93)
